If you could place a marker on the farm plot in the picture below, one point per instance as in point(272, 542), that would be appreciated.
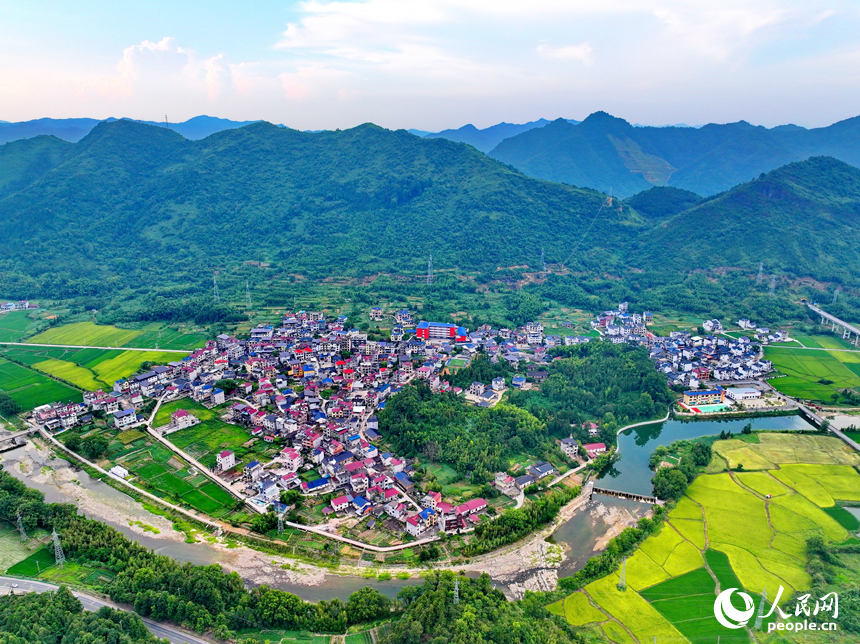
point(754, 542)
point(198, 410)
point(85, 333)
point(159, 336)
point(204, 440)
point(128, 362)
point(166, 476)
point(782, 449)
point(70, 372)
point(30, 388)
point(14, 325)
point(804, 369)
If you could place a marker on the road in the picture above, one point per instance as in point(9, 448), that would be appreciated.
point(85, 346)
point(91, 603)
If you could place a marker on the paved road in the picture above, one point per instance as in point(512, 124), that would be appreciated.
point(91, 603)
point(85, 346)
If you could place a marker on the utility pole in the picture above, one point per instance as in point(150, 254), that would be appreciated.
point(215, 294)
point(622, 581)
point(759, 617)
point(21, 527)
point(430, 270)
point(59, 557)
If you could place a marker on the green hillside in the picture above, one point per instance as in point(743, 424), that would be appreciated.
point(662, 202)
point(802, 219)
point(137, 206)
point(24, 161)
point(605, 152)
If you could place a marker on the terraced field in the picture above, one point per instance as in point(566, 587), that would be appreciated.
point(744, 530)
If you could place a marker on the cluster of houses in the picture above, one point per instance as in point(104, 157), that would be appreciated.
point(21, 305)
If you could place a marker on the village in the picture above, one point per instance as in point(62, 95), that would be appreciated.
point(311, 388)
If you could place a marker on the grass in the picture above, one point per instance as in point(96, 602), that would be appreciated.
point(195, 408)
point(32, 565)
point(86, 333)
point(30, 388)
point(843, 517)
point(70, 372)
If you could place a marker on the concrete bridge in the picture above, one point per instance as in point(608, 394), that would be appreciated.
point(641, 498)
point(11, 441)
point(849, 331)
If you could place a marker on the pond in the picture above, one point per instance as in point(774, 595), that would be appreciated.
point(631, 473)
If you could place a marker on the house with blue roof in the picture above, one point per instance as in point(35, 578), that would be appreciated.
point(316, 486)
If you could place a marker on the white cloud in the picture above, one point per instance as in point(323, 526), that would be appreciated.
point(581, 53)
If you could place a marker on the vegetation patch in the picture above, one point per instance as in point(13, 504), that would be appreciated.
point(70, 372)
point(85, 333)
point(31, 389)
point(33, 565)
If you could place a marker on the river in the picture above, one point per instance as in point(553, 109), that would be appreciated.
point(604, 514)
point(201, 553)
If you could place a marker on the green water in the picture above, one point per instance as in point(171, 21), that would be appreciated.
point(632, 473)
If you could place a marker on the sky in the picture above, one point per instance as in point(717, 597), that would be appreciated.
point(432, 64)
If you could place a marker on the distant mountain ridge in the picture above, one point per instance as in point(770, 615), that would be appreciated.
point(73, 130)
point(607, 153)
point(488, 138)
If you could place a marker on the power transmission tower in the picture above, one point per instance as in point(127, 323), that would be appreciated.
point(836, 294)
point(542, 261)
point(21, 527)
point(59, 557)
point(772, 288)
point(430, 270)
point(247, 296)
point(280, 523)
point(457, 590)
point(622, 581)
point(760, 273)
point(215, 294)
point(760, 616)
point(166, 124)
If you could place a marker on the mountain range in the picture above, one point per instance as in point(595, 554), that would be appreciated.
point(135, 206)
point(611, 155)
point(73, 130)
point(488, 138)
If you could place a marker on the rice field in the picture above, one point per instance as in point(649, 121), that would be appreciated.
point(30, 388)
point(14, 325)
point(755, 541)
point(86, 333)
point(128, 362)
point(804, 369)
point(70, 372)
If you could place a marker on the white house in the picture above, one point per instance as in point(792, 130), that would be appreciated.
point(181, 419)
point(125, 418)
point(570, 447)
point(224, 461)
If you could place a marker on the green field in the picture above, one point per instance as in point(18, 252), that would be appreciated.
point(157, 335)
point(86, 333)
point(804, 368)
point(30, 388)
point(195, 408)
point(204, 440)
point(70, 372)
point(127, 363)
point(34, 564)
point(14, 325)
point(753, 542)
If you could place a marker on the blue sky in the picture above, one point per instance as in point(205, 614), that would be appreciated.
point(433, 64)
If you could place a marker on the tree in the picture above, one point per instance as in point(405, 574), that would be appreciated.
point(701, 454)
point(8, 406)
point(366, 605)
point(669, 484)
point(292, 497)
point(747, 429)
point(92, 447)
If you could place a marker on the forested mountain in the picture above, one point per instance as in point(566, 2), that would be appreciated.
point(74, 130)
point(488, 138)
point(134, 205)
point(802, 219)
point(662, 202)
point(604, 152)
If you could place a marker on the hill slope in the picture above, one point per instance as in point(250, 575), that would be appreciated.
point(140, 206)
point(802, 219)
point(604, 152)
